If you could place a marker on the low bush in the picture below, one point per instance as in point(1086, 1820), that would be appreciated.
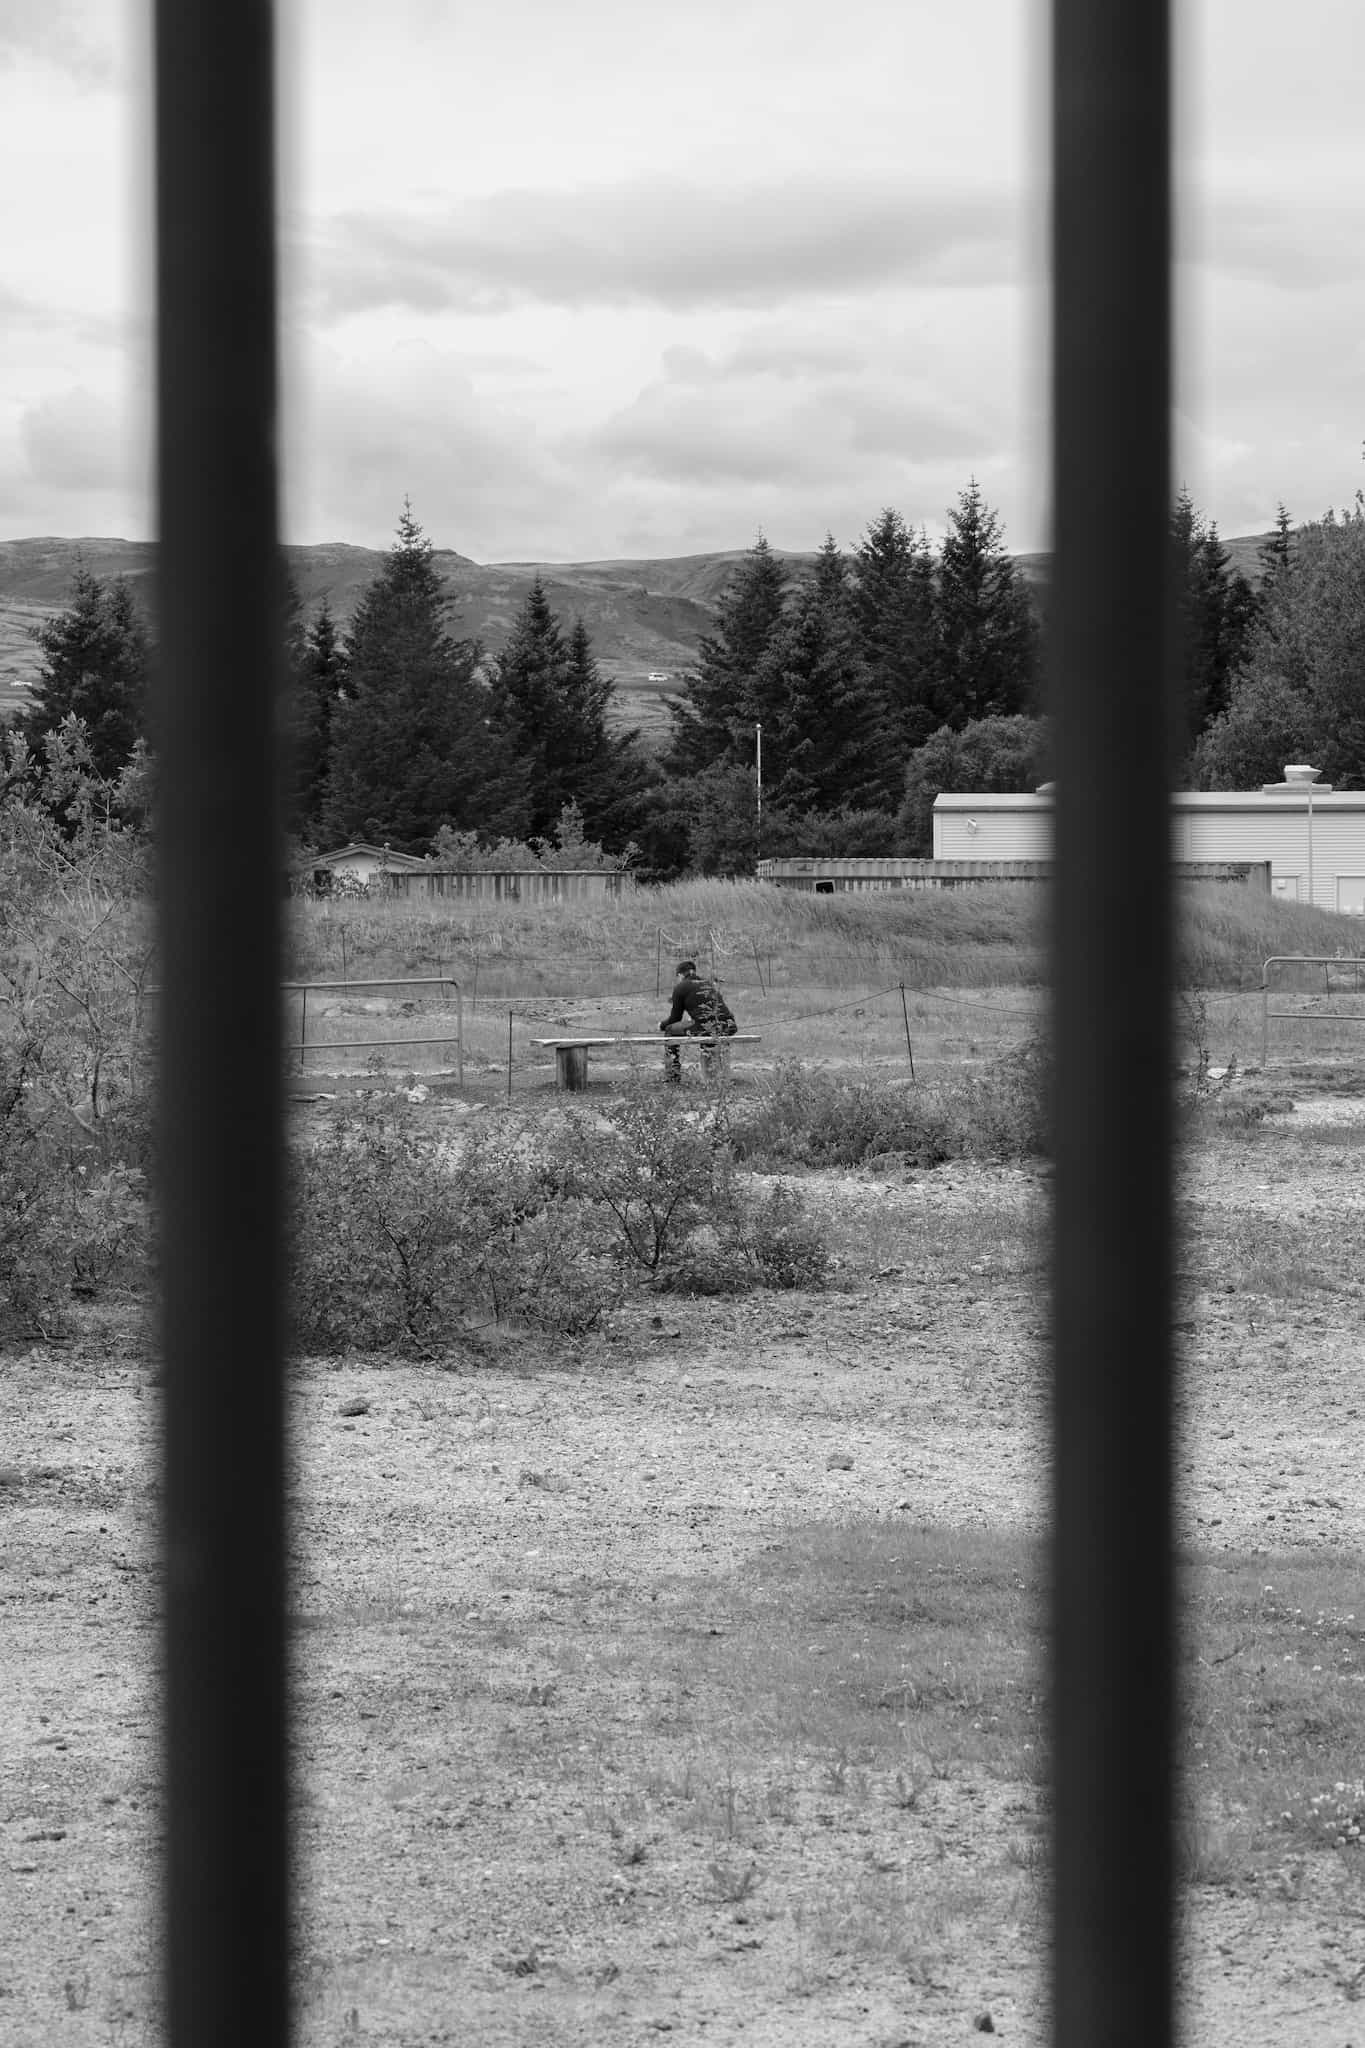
point(73, 1214)
point(395, 1240)
point(810, 1116)
point(1002, 1113)
point(659, 1172)
point(788, 1249)
point(541, 1222)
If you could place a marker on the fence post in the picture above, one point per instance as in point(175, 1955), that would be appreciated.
point(908, 1047)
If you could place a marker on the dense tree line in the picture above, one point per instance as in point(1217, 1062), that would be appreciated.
point(849, 674)
point(880, 677)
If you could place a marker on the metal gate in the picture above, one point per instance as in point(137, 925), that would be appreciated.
point(1343, 964)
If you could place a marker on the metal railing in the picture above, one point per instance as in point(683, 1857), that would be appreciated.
point(1326, 961)
point(225, 1882)
point(305, 988)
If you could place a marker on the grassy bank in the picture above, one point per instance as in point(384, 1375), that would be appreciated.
point(766, 940)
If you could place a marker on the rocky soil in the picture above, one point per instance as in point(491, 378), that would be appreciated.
point(477, 1547)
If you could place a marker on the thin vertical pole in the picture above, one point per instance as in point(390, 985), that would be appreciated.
point(905, 1013)
point(303, 1029)
point(1109, 676)
point(758, 792)
point(509, 1055)
point(225, 1870)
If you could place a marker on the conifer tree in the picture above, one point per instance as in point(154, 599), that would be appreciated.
point(1275, 554)
point(411, 746)
point(317, 686)
point(709, 720)
point(988, 643)
point(550, 701)
point(617, 776)
point(1215, 606)
point(96, 658)
point(1299, 693)
point(896, 607)
point(812, 692)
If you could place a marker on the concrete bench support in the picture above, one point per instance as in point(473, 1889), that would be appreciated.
point(571, 1054)
point(571, 1060)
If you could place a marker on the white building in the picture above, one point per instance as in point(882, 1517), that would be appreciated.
point(1312, 835)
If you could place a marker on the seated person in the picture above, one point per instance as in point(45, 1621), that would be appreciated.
point(698, 1010)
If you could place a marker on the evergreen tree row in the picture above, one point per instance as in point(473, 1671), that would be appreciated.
point(880, 678)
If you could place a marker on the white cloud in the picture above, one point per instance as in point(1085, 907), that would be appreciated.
point(667, 242)
point(603, 278)
point(76, 38)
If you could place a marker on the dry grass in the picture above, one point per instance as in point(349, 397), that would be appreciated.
point(861, 1670)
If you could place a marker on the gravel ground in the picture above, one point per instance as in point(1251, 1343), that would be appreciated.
point(457, 1533)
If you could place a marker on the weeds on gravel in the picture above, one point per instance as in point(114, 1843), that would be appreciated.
point(859, 1667)
point(812, 1116)
point(1275, 1710)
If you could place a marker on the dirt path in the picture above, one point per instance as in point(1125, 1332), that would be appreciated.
point(477, 1558)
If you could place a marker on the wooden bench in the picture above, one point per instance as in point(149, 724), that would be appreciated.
point(571, 1054)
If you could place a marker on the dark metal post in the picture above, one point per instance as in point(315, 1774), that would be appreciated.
point(1109, 670)
point(219, 859)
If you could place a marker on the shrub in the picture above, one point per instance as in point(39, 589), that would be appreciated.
point(659, 1171)
point(786, 1246)
point(374, 1238)
point(1003, 1112)
point(807, 1116)
point(395, 1239)
point(71, 1222)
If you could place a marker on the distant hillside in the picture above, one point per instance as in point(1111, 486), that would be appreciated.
point(645, 616)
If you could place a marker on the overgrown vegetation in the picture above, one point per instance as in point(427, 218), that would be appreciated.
point(546, 1222)
point(74, 1085)
point(814, 1116)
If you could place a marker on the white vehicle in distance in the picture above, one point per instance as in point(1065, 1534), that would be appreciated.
point(658, 675)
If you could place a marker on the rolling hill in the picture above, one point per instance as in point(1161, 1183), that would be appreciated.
point(645, 617)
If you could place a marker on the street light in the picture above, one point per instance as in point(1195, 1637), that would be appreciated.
point(1298, 775)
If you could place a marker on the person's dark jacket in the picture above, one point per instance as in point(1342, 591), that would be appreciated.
point(703, 1004)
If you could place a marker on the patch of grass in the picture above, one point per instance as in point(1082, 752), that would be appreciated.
point(1275, 1709)
point(759, 937)
point(1273, 1257)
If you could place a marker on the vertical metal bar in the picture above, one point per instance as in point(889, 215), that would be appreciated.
point(225, 1873)
point(1109, 670)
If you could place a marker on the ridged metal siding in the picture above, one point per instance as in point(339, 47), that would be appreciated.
point(1204, 827)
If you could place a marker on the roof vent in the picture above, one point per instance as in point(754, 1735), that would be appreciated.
point(1298, 772)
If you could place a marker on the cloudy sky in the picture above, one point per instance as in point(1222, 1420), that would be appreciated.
point(591, 278)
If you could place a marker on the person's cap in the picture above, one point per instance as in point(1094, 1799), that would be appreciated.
point(687, 967)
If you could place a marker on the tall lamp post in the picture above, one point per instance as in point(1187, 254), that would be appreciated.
point(1299, 776)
